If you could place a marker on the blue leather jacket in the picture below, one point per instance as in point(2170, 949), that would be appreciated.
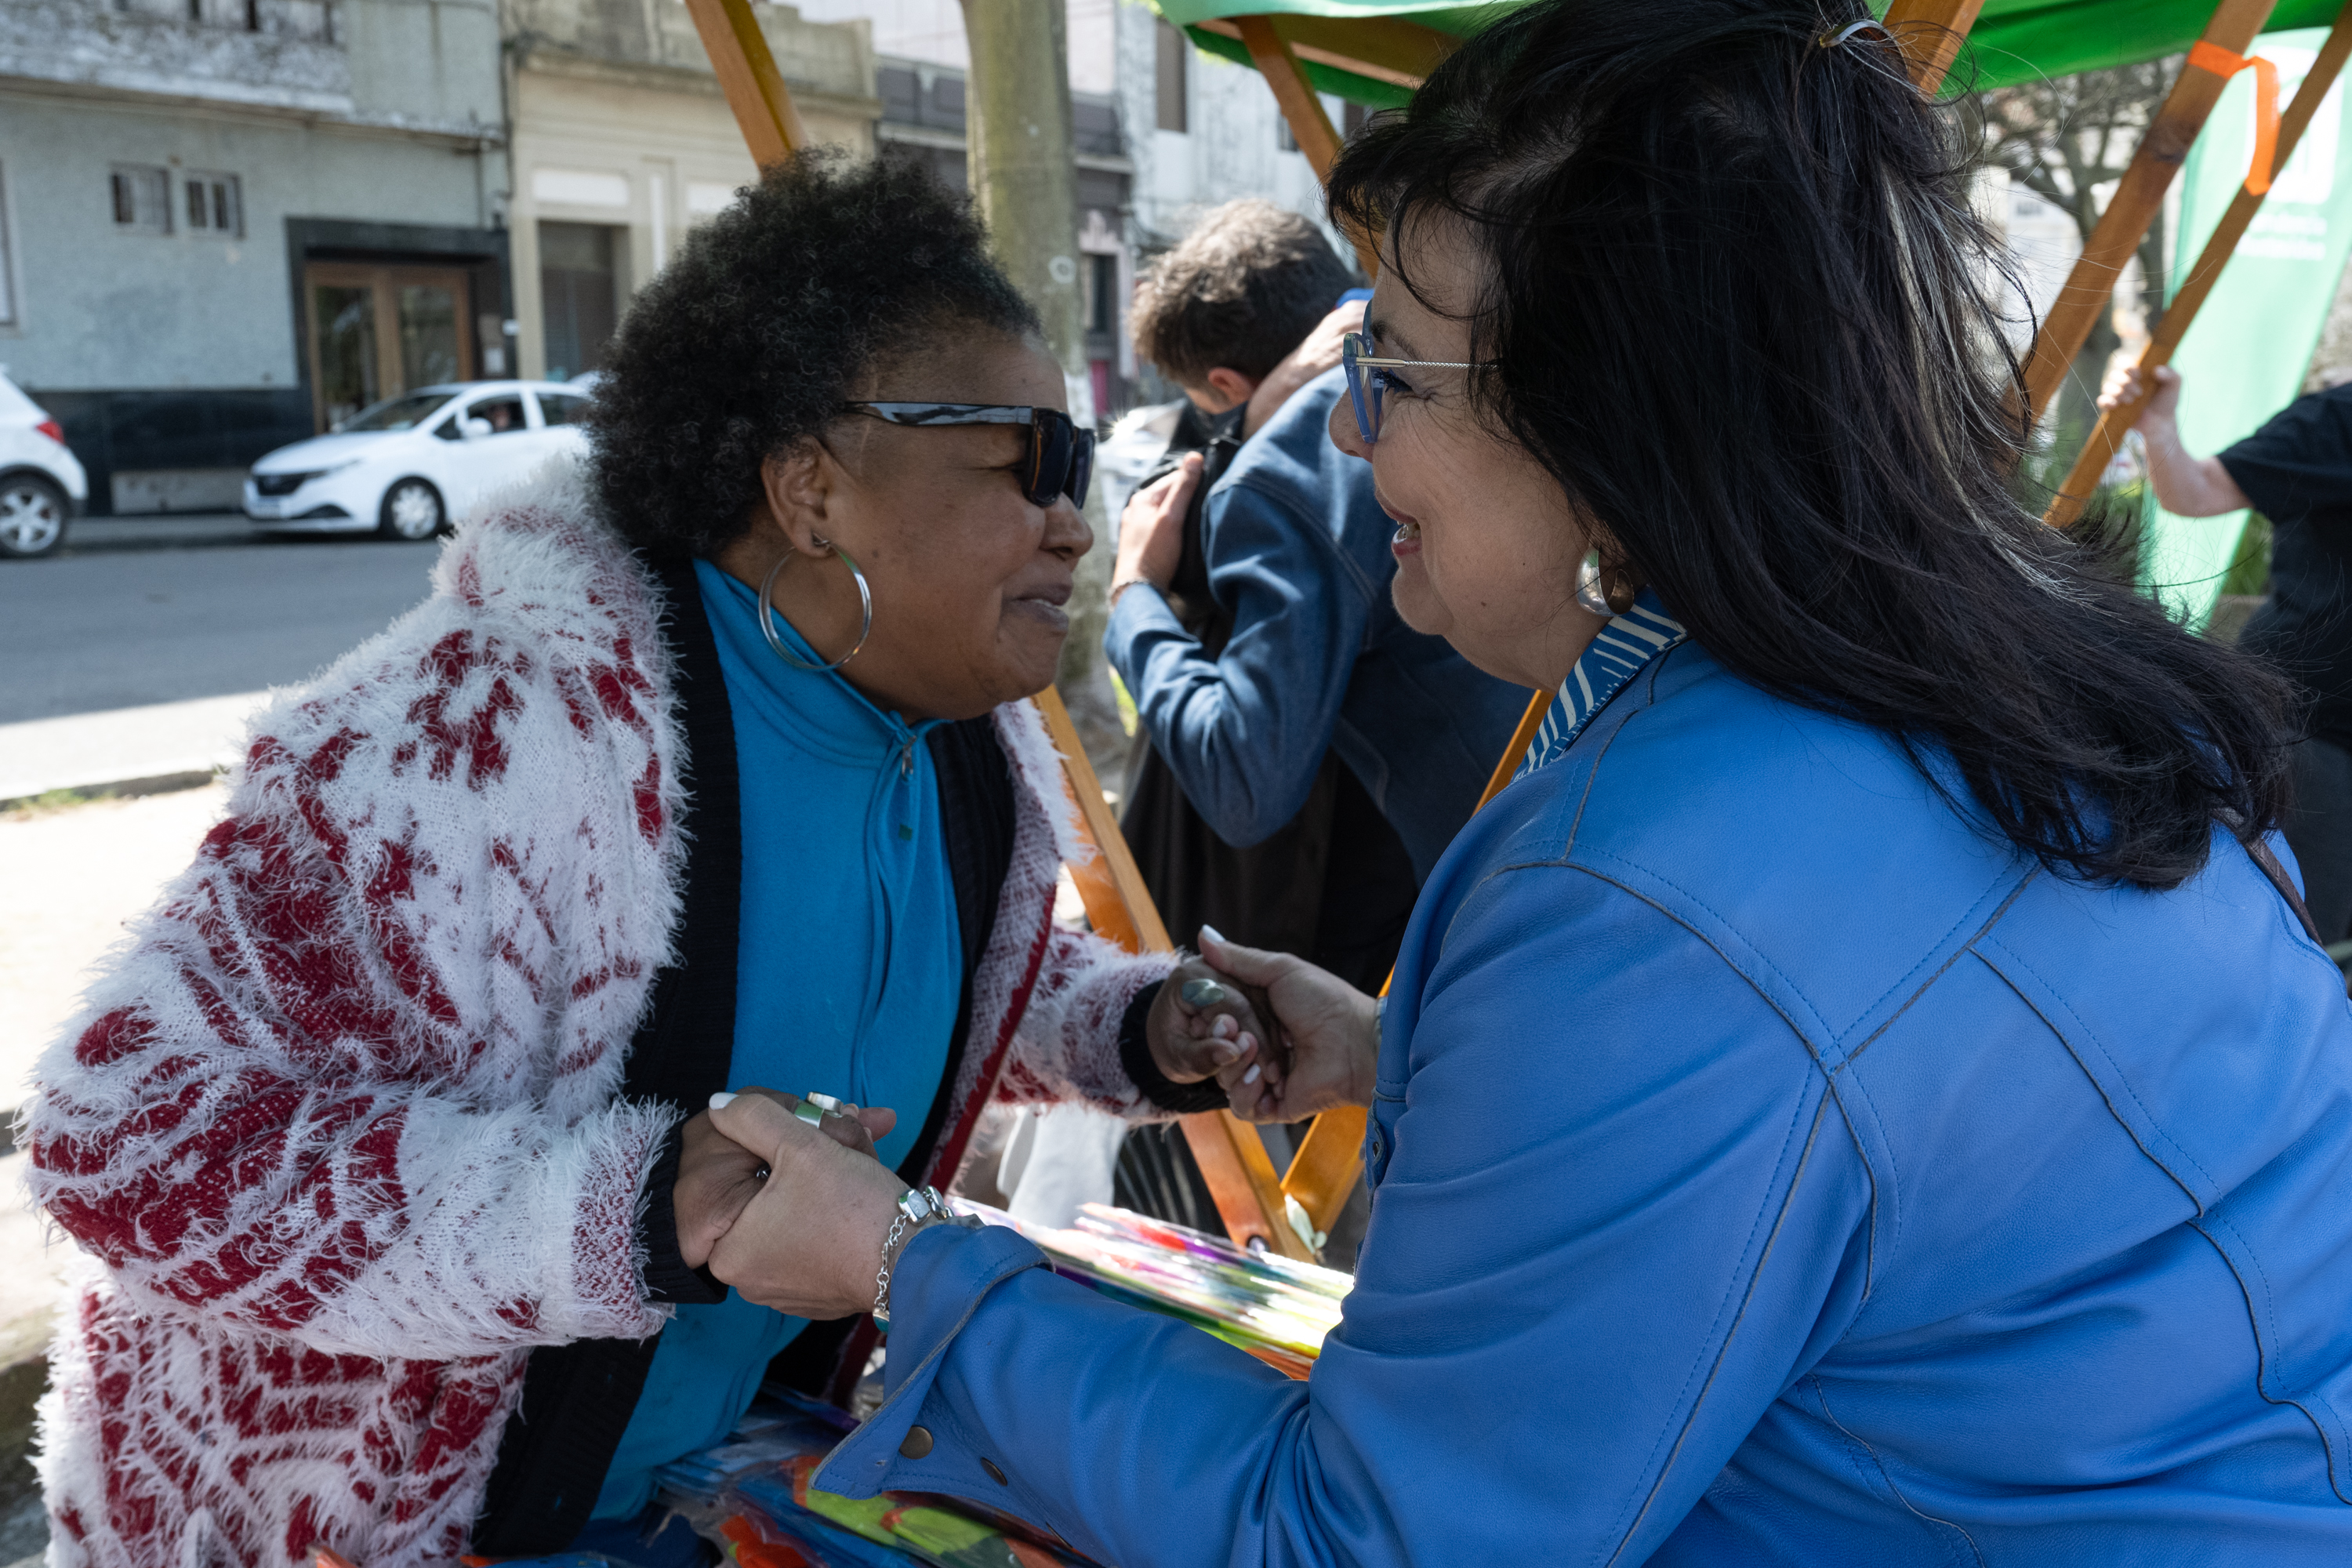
point(1298, 551)
point(1769, 1169)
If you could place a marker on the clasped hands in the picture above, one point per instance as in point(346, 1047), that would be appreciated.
point(793, 1214)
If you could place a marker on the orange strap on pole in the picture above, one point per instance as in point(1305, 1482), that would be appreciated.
point(2224, 63)
point(2090, 287)
point(2108, 434)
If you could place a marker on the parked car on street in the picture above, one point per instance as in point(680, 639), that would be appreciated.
point(42, 486)
point(405, 467)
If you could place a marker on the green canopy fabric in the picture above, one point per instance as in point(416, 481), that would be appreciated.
point(2013, 40)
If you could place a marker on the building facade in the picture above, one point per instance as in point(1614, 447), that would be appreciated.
point(622, 142)
point(227, 224)
point(923, 118)
point(223, 223)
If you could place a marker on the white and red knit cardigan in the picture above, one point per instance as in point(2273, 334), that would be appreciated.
point(342, 1125)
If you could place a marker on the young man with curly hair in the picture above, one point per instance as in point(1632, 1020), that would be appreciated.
point(1309, 754)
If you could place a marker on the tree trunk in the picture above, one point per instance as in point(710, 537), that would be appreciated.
point(1024, 178)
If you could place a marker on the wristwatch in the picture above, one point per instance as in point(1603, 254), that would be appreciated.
point(920, 1206)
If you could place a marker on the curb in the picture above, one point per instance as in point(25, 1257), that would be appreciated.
point(122, 789)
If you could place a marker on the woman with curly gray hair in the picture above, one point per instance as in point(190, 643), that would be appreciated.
point(705, 767)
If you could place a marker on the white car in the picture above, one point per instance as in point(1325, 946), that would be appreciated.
point(42, 486)
point(407, 466)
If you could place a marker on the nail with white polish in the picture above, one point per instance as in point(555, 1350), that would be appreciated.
point(721, 1100)
point(1211, 933)
point(1251, 1076)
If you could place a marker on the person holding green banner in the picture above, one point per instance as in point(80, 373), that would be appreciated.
point(2297, 470)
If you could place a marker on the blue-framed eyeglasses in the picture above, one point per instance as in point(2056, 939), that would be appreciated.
point(1368, 381)
point(1060, 460)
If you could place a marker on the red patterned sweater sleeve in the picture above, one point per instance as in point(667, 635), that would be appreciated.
point(1066, 1046)
point(354, 1080)
point(1068, 991)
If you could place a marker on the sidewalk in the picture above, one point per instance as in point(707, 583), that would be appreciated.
point(136, 749)
point(158, 531)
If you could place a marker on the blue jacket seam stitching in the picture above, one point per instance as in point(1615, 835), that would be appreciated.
point(1755, 1274)
point(2092, 1036)
point(2253, 1325)
point(2196, 1205)
point(1929, 983)
point(1964, 916)
point(1880, 1465)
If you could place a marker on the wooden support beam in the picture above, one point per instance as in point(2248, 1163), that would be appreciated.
point(2108, 435)
point(1931, 32)
point(1231, 1156)
point(748, 76)
point(1383, 48)
point(1331, 1158)
point(2090, 287)
point(1301, 106)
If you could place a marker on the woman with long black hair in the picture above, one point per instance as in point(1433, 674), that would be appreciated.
point(1864, 1093)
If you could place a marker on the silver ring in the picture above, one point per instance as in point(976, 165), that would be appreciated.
point(767, 626)
point(1201, 992)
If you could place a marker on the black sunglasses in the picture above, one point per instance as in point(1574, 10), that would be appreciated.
point(1061, 456)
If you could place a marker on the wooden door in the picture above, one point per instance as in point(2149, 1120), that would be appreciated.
point(378, 329)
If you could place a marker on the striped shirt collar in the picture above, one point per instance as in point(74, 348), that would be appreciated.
point(1625, 646)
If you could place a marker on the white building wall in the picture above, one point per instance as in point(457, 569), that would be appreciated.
point(102, 307)
point(619, 123)
point(1232, 147)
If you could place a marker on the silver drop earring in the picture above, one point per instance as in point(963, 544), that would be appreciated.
point(770, 614)
point(1589, 594)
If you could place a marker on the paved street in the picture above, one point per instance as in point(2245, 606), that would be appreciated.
point(139, 611)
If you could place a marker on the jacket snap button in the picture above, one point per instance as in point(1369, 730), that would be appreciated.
point(917, 1443)
point(993, 1473)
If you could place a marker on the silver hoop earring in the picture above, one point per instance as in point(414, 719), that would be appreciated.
point(1589, 594)
point(770, 614)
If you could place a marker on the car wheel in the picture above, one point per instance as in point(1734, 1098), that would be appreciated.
point(411, 511)
point(32, 515)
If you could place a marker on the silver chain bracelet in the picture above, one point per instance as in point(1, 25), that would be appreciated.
point(918, 1208)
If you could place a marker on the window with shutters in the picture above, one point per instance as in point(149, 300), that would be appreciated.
point(143, 199)
point(213, 205)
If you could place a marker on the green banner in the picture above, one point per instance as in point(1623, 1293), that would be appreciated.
point(2245, 357)
point(2013, 41)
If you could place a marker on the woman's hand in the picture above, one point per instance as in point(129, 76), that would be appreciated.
point(717, 1176)
point(808, 1244)
point(1151, 528)
point(1331, 1029)
point(1203, 1025)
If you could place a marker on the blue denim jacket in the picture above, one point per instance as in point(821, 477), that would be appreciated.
point(1298, 551)
point(1769, 1168)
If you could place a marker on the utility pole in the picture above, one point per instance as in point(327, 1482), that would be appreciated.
point(1024, 178)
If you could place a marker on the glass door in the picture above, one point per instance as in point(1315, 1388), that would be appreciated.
point(378, 331)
